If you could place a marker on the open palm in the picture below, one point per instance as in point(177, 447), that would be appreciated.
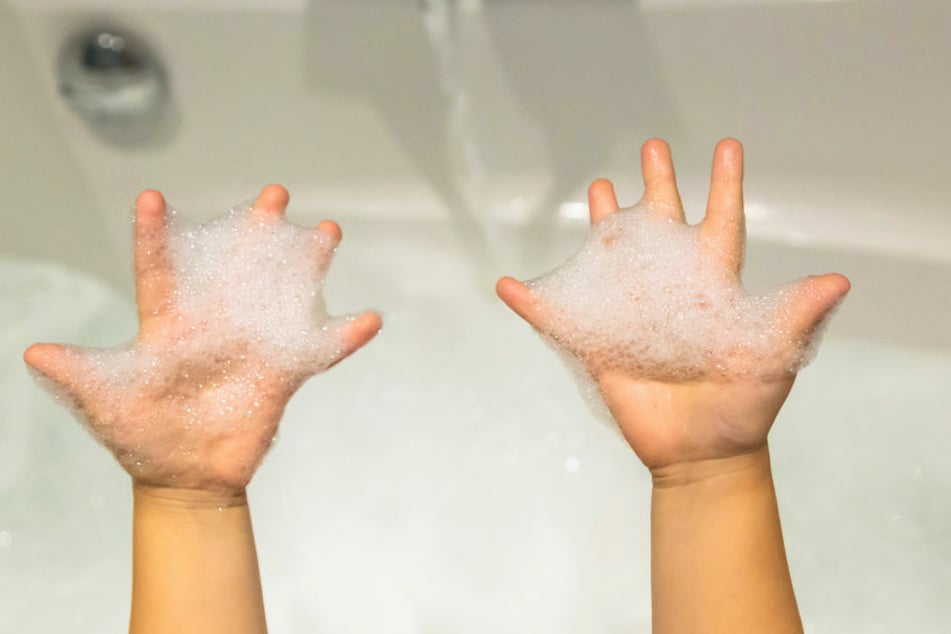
point(179, 408)
point(716, 414)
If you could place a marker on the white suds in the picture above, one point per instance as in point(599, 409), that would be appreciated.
point(646, 297)
point(243, 325)
point(258, 280)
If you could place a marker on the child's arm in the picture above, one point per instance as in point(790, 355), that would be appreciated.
point(189, 409)
point(718, 561)
point(194, 566)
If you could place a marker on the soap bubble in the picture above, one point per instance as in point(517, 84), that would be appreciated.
point(646, 297)
point(198, 395)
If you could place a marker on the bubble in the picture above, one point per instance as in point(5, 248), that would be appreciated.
point(262, 280)
point(645, 296)
point(242, 325)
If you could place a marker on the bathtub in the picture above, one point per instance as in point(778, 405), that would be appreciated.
point(449, 478)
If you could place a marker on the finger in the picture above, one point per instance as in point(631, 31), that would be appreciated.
point(360, 331)
point(60, 365)
point(519, 298)
point(271, 202)
point(328, 237)
point(660, 184)
point(352, 333)
point(154, 280)
point(724, 226)
point(601, 199)
point(330, 229)
point(813, 299)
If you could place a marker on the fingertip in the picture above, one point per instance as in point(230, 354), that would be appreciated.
point(816, 298)
point(273, 199)
point(518, 297)
point(729, 145)
point(834, 288)
point(364, 328)
point(728, 158)
point(331, 229)
point(600, 184)
point(602, 199)
point(370, 321)
point(841, 282)
point(728, 165)
point(33, 355)
point(830, 286)
point(655, 148)
point(47, 359)
point(500, 285)
point(507, 287)
point(725, 220)
point(150, 204)
point(657, 164)
point(656, 161)
point(149, 198)
point(660, 181)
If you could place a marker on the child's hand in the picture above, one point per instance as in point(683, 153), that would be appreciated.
point(180, 410)
point(682, 428)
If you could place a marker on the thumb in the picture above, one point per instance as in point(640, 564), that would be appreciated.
point(520, 299)
point(360, 331)
point(813, 299)
point(61, 369)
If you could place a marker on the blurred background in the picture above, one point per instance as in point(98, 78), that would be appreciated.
point(449, 475)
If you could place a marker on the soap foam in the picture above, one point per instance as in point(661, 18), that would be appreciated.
point(260, 281)
point(645, 296)
point(245, 325)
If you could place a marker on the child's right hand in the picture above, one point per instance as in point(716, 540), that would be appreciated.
point(190, 412)
point(691, 429)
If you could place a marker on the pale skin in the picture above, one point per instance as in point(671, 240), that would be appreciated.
point(194, 562)
point(718, 562)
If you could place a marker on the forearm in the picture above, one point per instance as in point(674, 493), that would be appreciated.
point(718, 563)
point(194, 566)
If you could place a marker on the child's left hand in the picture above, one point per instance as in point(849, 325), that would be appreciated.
point(185, 412)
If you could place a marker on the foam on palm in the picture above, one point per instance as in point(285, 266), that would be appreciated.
point(245, 325)
point(647, 297)
point(260, 281)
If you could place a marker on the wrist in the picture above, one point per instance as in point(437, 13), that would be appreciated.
point(753, 465)
point(187, 499)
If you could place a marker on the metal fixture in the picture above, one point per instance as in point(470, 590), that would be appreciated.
point(114, 81)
